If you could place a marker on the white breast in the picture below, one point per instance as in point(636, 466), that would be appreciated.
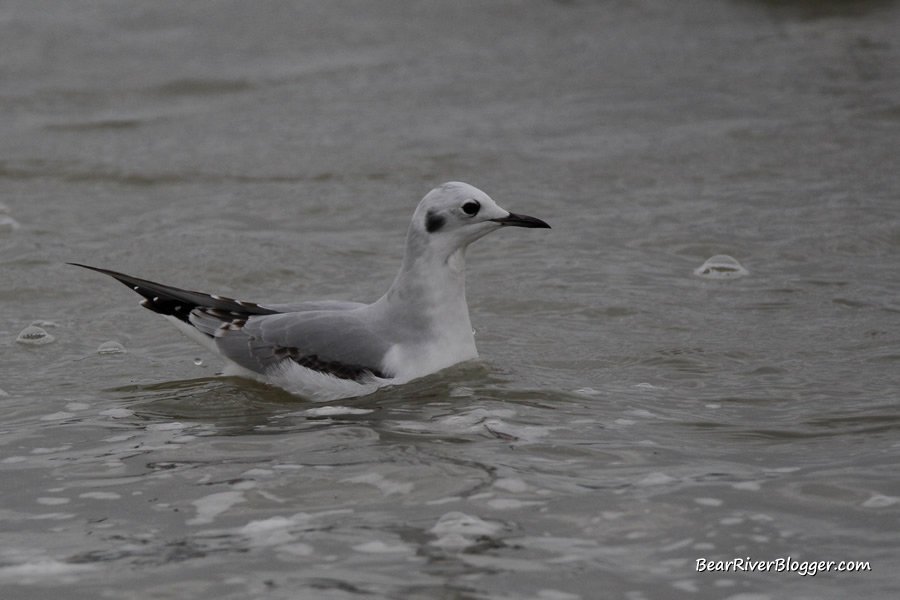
point(411, 361)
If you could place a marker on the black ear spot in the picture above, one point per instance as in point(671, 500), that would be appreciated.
point(471, 207)
point(433, 221)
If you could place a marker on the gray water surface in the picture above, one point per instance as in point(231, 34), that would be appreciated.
point(627, 417)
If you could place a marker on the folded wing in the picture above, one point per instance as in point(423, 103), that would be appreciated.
point(328, 337)
point(335, 342)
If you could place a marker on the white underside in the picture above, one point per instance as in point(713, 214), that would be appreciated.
point(407, 361)
point(415, 361)
point(312, 385)
point(321, 387)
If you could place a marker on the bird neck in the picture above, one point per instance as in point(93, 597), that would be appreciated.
point(431, 287)
point(430, 279)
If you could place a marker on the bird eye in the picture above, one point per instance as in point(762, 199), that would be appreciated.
point(471, 207)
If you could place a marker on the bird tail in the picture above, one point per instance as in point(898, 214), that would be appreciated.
point(176, 302)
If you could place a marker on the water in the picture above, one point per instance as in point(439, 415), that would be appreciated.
point(628, 417)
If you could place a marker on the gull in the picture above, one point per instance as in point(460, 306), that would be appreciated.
point(331, 349)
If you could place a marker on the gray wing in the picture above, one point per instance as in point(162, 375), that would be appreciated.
point(336, 342)
point(328, 336)
point(313, 305)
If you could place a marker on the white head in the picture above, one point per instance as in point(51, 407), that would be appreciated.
point(455, 214)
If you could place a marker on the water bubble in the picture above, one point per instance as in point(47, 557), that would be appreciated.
point(44, 323)
point(34, 336)
point(8, 223)
point(198, 361)
point(721, 266)
point(111, 347)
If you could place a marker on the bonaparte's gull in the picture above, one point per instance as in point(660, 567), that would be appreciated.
point(325, 350)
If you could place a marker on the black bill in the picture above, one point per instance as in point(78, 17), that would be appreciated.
point(521, 221)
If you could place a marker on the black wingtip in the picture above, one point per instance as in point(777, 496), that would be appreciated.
point(121, 277)
point(158, 298)
point(98, 269)
point(178, 302)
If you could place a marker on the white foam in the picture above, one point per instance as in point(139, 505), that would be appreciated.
point(119, 438)
point(296, 549)
point(708, 501)
point(175, 426)
point(117, 413)
point(42, 568)
point(511, 503)
point(379, 547)
point(55, 516)
point(656, 479)
point(100, 495)
point(548, 594)
point(453, 541)
point(62, 448)
point(387, 486)
point(258, 472)
point(472, 421)
point(511, 484)
point(503, 563)
point(880, 501)
point(750, 486)
point(52, 501)
point(330, 411)
point(461, 391)
point(649, 386)
point(587, 391)
point(457, 524)
point(570, 549)
point(273, 531)
point(678, 545)
point(686, 585)
point(57, 416)
point(277, 531)
point(523, 433)
point(209, 507)
point(446, 500)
